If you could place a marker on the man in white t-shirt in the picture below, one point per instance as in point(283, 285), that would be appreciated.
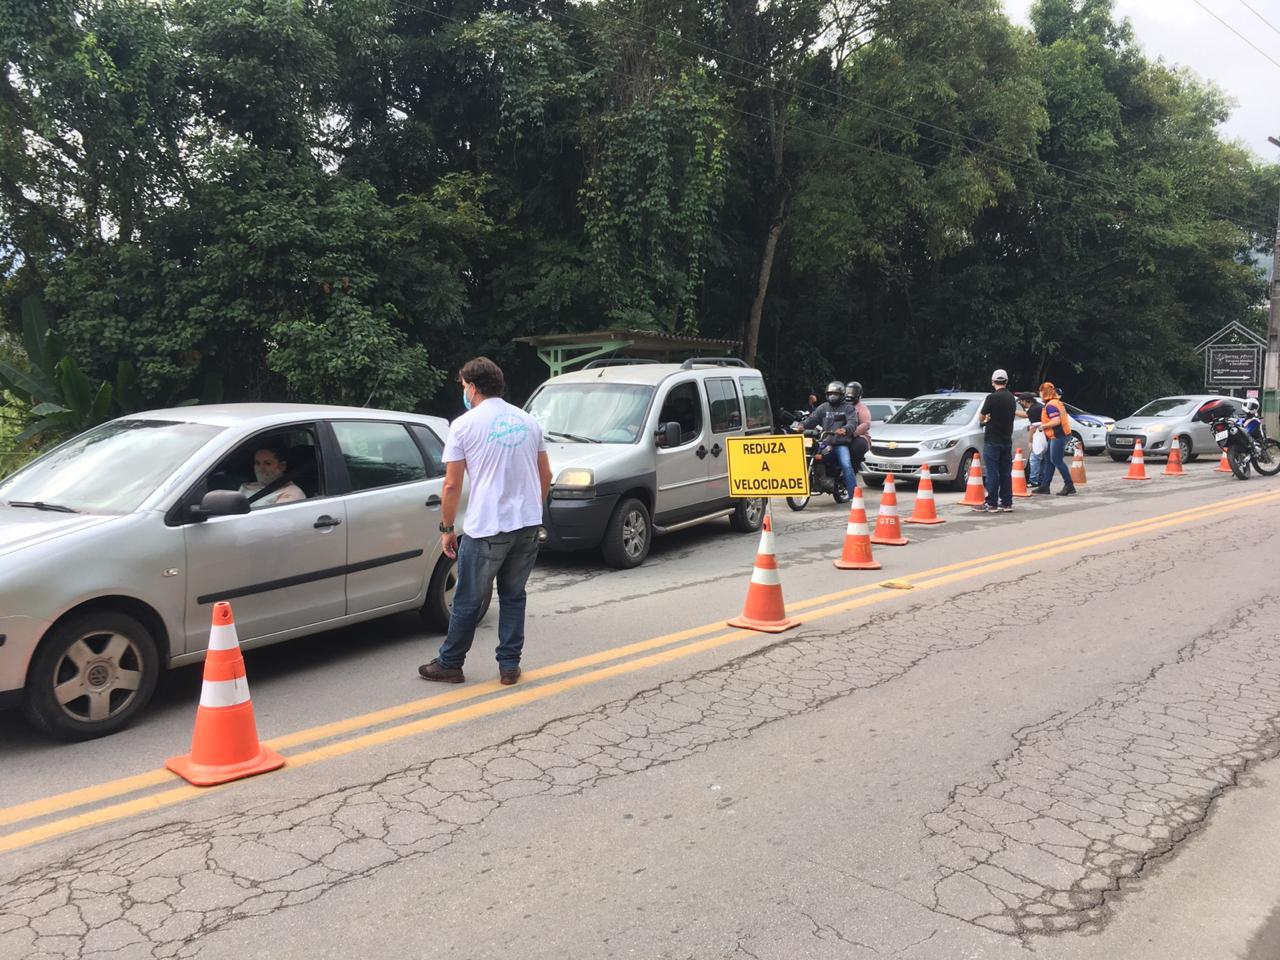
point(502, 450)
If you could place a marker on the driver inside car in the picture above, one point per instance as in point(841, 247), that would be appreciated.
point(269, 465)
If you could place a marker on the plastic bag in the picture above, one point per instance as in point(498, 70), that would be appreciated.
point(1039, 444)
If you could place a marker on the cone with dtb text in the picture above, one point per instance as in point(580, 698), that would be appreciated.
point(975, 494)
point(1173, 467)
point(857, 539)
point(1137, 465)
point(888, 526)
point(765, 609)
point(1019, 474)
point(1077, 467)
point(225, 745)
point(925, 509)
point(1224, 465)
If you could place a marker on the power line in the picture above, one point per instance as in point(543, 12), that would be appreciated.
point(1260, 16)
point(1237, 32)
point(1073, 202)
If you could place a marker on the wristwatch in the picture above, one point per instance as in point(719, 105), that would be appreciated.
point(446, 528)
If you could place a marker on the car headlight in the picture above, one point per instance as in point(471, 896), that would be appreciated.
point(1110, 427)
point(1157, 428)
point(940, 444)
point(574, 483)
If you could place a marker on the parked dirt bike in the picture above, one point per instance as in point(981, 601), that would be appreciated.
point(1245, 442)
point(825, 476)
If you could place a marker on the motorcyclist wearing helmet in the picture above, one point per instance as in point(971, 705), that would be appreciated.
point(847, 422)
point(1251, 408)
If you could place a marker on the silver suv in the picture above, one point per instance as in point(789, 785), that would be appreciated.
point(638, 448)
point(115, 545)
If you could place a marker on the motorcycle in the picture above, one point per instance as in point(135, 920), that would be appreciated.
point(825, 476)
point(1245, 442)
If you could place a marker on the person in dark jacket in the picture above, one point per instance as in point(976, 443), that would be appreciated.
point(849, 424)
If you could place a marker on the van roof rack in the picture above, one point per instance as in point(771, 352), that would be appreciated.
point(617, 362)
point(713, 362)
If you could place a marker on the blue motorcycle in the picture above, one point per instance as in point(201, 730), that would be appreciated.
point(1245, 442)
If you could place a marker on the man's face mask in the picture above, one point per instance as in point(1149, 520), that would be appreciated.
point(835, 397)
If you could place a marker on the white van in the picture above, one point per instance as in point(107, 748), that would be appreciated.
point(638, 448)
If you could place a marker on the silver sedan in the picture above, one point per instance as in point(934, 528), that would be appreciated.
point(115, 545)
point(941, 430)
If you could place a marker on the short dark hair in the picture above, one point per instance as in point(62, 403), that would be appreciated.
point(486, 375)
point(278, 446)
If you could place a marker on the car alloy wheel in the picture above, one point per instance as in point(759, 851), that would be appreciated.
point(635, 533)
point(97, 677)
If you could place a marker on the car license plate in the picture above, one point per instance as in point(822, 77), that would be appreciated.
point(1221, 435)
point(1122, 441)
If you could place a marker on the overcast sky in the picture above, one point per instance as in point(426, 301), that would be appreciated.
point(1180, 32)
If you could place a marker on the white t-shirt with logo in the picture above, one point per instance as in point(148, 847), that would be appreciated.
point(500, 444)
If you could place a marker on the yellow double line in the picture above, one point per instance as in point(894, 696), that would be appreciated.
point(631, 657)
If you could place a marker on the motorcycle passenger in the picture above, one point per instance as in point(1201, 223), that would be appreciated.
point(841, 418)
point(861, 444)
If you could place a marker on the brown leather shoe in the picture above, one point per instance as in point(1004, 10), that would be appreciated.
point(508, 677)
point(436, 671)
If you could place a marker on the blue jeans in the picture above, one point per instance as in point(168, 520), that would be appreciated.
point(507, 558)
point(1056, 461)
point(1033, 468)
point(846, 467)
point(997, 461)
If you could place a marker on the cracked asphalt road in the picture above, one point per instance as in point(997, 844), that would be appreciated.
point(1023, 762)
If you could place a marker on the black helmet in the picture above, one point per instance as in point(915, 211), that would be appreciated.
point(853, 391)
point(835, 391)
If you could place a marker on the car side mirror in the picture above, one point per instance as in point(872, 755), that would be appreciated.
point(669, 435)
point(219, 503)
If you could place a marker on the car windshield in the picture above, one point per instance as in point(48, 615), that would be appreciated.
point(110, 469)
point(937, 411)
point(591, 412)
point(1167, 407)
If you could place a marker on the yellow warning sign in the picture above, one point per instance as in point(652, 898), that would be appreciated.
point(767, 467)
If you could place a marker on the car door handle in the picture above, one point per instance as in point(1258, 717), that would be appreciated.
point(326, 521)
point(716, 450)
point(701, 452)
point(433, 502)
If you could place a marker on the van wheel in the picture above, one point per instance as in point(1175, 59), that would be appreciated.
point(91, 676)
point(628, 536)
point(748, 516)
point(436, 608)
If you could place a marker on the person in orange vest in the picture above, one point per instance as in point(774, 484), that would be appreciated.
point(1057, 427)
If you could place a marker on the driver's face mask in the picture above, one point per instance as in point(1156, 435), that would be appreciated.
point(835, 398)
point(267, 469)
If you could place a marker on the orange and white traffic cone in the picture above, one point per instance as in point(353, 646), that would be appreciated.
point(975, 494)
point(888, 526)
point(225, 744)
point(1020, 475)
point(765, 609)
point(925, 509)
point(1173, 467)
point(857, 539)
point(1078, 476)
point(1224, 465)
point(1137, 465)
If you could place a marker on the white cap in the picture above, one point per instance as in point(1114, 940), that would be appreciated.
point(1000, 376)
